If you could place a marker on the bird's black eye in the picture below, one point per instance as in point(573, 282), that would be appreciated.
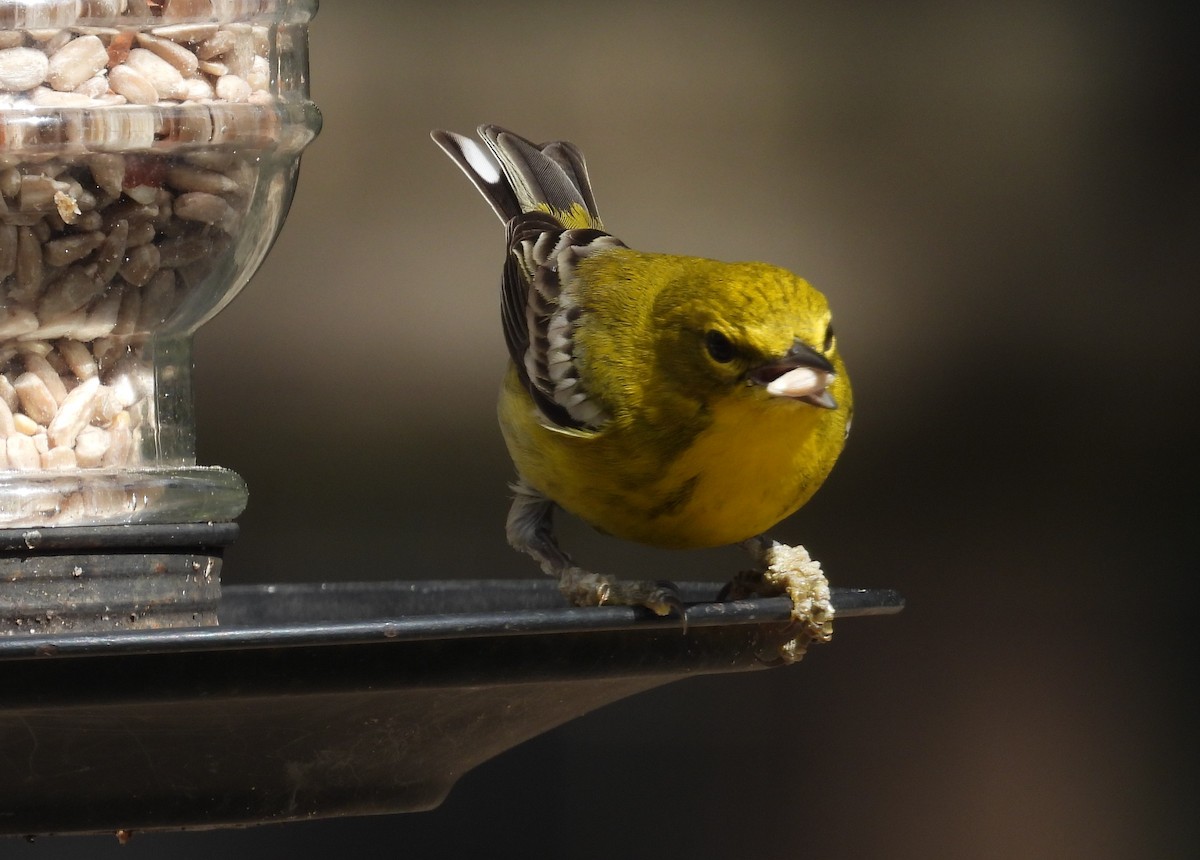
point(719, 347)
point(828, 338)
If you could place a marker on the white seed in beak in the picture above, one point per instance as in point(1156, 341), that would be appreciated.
point(800, 382)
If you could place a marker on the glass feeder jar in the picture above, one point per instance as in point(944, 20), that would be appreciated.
point(148, 157)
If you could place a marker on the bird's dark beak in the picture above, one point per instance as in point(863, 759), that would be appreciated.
point(801, 373)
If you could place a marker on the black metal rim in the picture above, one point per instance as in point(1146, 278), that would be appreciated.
point(57, 539)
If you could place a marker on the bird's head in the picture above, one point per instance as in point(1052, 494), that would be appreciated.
point(759, 329)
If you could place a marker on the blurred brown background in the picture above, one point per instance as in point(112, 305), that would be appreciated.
point(1002, 205)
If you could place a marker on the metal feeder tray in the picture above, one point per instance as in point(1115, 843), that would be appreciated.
point(336, 699)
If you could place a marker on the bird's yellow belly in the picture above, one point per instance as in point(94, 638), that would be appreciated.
point(746, 472)
point(751, 467)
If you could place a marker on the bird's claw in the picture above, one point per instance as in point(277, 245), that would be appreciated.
point(584, 588)
point(790, 571)
point(664, 599)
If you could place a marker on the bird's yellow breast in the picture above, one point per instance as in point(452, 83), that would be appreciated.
point(753, 461)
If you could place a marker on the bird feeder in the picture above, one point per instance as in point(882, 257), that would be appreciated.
point(148, 156)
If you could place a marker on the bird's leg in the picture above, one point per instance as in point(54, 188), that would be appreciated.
point(783, 569)
point(530, 529)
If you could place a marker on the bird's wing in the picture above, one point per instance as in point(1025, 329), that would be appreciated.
point(540, 311)
point(543, 194)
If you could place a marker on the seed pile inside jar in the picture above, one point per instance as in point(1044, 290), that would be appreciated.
point(96, 253)
point(99, 248)
point(87, 66)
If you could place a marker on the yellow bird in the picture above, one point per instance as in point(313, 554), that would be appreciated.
point(674, 401)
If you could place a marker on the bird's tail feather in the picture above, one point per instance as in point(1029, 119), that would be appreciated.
point(519, 176)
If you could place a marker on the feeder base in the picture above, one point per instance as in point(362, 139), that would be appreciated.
point(104, 578)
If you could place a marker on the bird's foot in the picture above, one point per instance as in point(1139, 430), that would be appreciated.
point(584, 588)
point(789, 570)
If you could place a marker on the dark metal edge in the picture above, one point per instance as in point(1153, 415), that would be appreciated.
point(450, 625)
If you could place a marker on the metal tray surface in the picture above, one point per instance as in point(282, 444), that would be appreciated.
point(336, 699)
